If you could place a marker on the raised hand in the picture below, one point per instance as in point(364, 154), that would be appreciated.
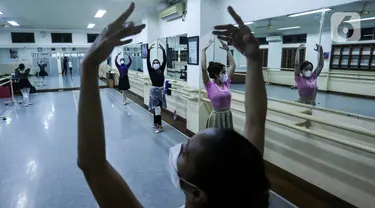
point(161, 47)
point(152, 46)
point(318, 48)
point(111, 37)
point(240, 37)
point(224, 46)
point(302, 46)
point(119, 53)
point(209, 44)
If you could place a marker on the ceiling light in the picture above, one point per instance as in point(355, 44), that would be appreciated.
point(310, 12)
point(289, 28)
point(246, 23)
point(91, 26)
point(100, 13)
point(13, 23)
point(363, 19)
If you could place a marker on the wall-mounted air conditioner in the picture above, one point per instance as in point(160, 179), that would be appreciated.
point(274, 39)
point(173, 12)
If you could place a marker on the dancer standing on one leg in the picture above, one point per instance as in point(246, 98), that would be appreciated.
point(157, 96)
point(24, 84)
point(123, 83)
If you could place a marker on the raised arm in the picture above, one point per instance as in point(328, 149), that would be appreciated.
point(205, 77)
point(116, 61)
point(320, 66)
point(129, 63)
point(297, 61)
point(106, 184)
point(232, 64)
point(149, 67)
point(164, 63)
point(255, 93)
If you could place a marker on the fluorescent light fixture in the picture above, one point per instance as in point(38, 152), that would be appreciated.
point(289, 28)
point(362, 19)
point(246, 23)
point(100, 13)
point(310, 12)
point(1, 12)
point(13, 23)
point(91, 26)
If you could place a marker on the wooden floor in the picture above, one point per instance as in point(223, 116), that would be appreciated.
point(291, 187)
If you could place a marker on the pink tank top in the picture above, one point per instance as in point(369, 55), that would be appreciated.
point(220, 97)
point(306, 86)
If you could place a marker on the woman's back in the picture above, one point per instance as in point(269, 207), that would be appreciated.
point(22, 74)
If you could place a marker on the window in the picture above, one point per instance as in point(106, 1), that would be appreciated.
point(61, 37)
point(353, 57)
point(288, 57)
point(366, 33)
point(91, 38)
point(290, 39)
point(264, 56)
point(262, 41)
point(20, 37)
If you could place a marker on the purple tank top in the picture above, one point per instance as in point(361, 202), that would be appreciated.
point(220, 97)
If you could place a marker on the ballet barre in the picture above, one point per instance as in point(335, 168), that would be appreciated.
point(318, 134)
point(9, 78)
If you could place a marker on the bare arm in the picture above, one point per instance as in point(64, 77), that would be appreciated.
point(320, 66)
point(256, 103)
point(205, 77)
point(108, 187)
point(297, 62)
point(232, 64)
point(255, 92)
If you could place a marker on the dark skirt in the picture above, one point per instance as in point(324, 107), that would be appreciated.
point(42, 73)
point(157, 97)
point(123, 83)
point(24, 83)
point(220, 119)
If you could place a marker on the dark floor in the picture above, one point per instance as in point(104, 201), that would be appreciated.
point(356, 105)
point(38, 148)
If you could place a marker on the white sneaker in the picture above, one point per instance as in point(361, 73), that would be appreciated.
point(158, 130)
point(25, 105)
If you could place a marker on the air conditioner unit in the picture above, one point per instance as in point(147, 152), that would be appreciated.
point(274, 39)
point(173, 12)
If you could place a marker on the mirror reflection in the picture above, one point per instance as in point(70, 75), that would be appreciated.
point(133, 53)
point(176, 49)
point(291, 53)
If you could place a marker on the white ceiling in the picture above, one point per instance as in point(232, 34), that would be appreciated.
point(310, 23)
point(70, 14)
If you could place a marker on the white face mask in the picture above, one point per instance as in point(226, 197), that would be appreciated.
point(156, 66)
point(306, 74)
point(223, 77)
point(174, 152)
point(121, 62)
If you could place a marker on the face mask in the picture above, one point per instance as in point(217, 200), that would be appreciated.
point(306, 74)
point(122, 62)
point(223, 77)
point(156, 66)
point(174, 152)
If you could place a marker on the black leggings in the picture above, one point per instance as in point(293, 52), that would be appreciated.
point(157, 119)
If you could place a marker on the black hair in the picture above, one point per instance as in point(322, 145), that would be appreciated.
point(231, 171)
point(21, 66)
point(156, 60)
point(214, 68)
point(306, 63)
point(122, 59)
